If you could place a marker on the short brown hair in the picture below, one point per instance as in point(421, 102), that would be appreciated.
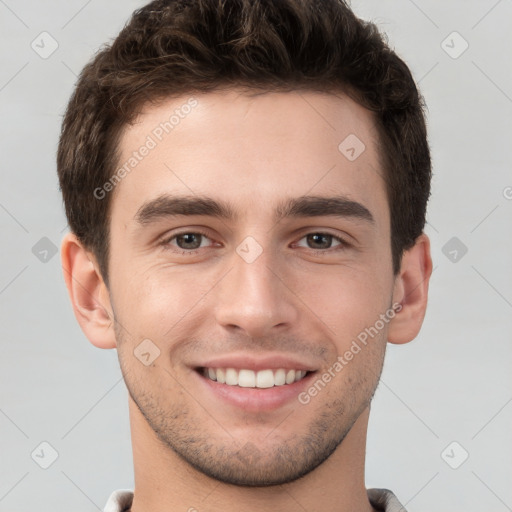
point(173, 47)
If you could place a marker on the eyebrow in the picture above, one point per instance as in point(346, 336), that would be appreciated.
point(304, 206)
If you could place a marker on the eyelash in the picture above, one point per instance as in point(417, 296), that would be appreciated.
point(166, 242)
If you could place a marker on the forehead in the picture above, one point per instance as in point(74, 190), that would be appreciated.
point(251, 149)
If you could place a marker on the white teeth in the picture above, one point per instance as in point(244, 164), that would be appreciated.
point(246, 379)
point(264, 379)
point(231, 377)
point(251, 379)
point(221, 375)
point(279, 377)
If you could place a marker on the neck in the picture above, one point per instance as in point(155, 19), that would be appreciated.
point(164, 481)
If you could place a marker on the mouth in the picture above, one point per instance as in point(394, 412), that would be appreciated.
point(247, 378)
point(252, 391)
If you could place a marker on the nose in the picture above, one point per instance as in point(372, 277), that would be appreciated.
point(256, 298)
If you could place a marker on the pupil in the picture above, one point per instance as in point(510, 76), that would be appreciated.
point(188, 237)
point(325, 237)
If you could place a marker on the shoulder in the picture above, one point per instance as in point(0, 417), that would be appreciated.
point(384, 500)
point(119, 501)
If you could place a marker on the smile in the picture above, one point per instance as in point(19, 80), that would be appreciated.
point(246, 378)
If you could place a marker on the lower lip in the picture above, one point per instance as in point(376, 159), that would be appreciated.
point(256, 399)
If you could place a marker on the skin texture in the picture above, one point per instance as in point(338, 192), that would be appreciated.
point(192, 449)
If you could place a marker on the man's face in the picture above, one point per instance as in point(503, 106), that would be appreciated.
point(260, 292)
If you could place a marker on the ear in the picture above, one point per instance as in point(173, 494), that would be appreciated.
point(88, 293)
point(411, 291)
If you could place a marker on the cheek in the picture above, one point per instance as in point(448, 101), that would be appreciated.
point(159, 302)
point(344, 299)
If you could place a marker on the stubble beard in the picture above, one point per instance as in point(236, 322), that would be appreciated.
point(244, 462)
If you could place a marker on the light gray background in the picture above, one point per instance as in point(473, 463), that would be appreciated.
point(453, 383)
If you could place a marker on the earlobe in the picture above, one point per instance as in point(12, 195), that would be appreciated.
point(88, 293)
point(411, 292)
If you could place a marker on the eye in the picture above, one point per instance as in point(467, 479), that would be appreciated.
point(324, 241)
point(188, 241)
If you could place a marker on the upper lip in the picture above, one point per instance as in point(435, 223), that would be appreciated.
point(256, 363)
